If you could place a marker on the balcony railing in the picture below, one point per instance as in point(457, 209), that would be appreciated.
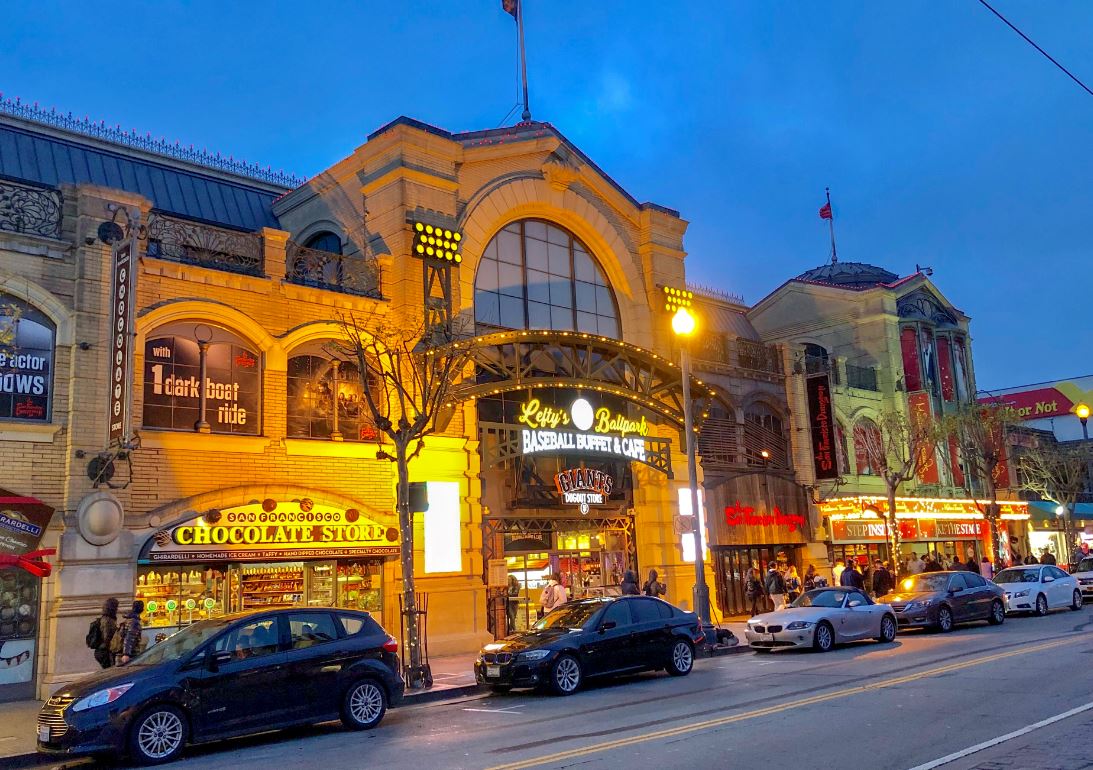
point(191, 243)
point(740, 353)
point(30, 210)
point(861, 377)
point(355, 274)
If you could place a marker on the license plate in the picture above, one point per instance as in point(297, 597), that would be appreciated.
point(493, 671)
point(43, 733)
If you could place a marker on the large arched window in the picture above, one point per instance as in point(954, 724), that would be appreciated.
point(535, 275)
point(764, 432)
point(325, 241)
point(26, 361)
point(325, 398)
point(868, 446)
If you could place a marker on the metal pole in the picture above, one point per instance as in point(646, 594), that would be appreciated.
point(701, 591)
point(202, 424)
point(526, 115)
point(1085, 429)
point(335, 434)
point(831, 225)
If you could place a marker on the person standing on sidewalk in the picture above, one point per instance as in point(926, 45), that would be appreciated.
point(653, 586)
point(753, 590)
point(102, 632)
point(128, 641)
point(776, 586)
point(630, 584)
point(554, 595)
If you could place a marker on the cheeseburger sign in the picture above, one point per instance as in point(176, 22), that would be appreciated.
point(273, 530)
point(598, 430)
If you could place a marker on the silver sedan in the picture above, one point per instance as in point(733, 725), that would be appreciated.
point(822, 618)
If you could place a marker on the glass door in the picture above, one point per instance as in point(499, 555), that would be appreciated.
point(319, 582)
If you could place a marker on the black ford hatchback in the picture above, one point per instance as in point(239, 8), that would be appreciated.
point(229, 676)
point(589, 638)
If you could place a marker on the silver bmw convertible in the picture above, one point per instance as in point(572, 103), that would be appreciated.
point(822, 618)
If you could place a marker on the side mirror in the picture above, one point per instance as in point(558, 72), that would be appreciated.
point(217, 659)
point(954, 591)
point(854, 603)
point(607, 625)
point(1049, 579)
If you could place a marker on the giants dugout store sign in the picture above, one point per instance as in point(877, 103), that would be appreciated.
point(172, 386)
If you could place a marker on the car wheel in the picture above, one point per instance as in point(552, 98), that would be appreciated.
point(364, 705)
point(565, 675)
point(500, 689)
point(1041, 605)
point(682, 659)
point(998, 613)
point(1076, 602)
point(158, 735)
point(824, 638)
point(945, 620)
point(887, 629)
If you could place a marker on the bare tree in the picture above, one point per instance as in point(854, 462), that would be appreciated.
point(980, 432)
point(1057, 473)
point(407, 374)
point(898, 447)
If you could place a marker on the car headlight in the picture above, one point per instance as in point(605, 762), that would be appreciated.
point(1019, 594)
point(533, 655)
point(102, 697)
point(921, 604)
point(799, 625)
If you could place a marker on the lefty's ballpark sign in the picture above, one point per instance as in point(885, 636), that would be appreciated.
point(597, 431)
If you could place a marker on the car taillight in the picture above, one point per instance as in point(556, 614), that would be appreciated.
point(391, 645)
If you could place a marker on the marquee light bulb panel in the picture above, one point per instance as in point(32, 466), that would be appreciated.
point(439, 243)
point(674, 299)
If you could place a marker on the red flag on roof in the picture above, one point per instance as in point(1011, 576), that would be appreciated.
point(825, 211)
point(511, 7)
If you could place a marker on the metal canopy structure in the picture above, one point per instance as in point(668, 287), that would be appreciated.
point(519, 360)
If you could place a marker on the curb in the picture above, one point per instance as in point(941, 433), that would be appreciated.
point(448, 693)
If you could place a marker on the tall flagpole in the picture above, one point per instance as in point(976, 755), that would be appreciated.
point(526, 115)
point(831, 224)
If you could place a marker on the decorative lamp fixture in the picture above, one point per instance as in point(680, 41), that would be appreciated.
point(437, 243)
point(683, 322)
point(674, 298)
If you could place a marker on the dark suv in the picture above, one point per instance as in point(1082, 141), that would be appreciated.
point(940, 600)
point(229, 676)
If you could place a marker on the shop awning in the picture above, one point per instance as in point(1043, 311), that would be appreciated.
point(1044, 510)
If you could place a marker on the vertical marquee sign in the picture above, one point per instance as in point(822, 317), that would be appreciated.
point(121, 336)
point(822, 425)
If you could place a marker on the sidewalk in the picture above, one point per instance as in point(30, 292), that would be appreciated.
point(453, 677)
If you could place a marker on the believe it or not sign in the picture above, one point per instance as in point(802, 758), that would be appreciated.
point(172, 386)
point(822, 424)
point(23, 521)
point(583, 487)
point(121, 328)
point(273, 530)
point(598, 430)
point(1037, 403)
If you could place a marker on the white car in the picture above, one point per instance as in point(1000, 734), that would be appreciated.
point(822, 618)
point(1084, 573)
point(1039, 588)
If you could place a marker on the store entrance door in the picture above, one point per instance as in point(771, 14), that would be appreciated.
point(732, 564)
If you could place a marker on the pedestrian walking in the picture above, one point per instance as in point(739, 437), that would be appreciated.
point(653, 586)
point(512, 602)
point(554, 594)
point(776, 586)
point(986, 569)
point(793, 584)
point(916, 565)
point(930, 564)
point(630, 584)
point(128, 642)
point(837, 571)
point(810, 577)
point(883, 581)
point(1048, 557)
point(973, 565)
point(101, 633)
point(753, 590)
point(1031, 559)
point(851, 578)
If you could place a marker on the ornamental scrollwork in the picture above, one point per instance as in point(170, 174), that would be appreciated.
point(30, 210)
point(191, 243)
point(356, 274)
point(922, 305)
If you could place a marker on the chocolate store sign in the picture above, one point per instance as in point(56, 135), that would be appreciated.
point(272, 530)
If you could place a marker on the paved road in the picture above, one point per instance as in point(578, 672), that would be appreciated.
point(900, 706)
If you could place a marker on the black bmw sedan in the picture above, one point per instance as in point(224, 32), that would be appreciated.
point(590, 638)
point(229, 676)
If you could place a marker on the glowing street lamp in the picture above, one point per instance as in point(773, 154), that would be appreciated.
point(683, 324)
point(1082, 410)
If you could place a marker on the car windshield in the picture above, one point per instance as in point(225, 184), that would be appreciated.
point(1085, 565)
point(1018, 575)
point(927, 582)
point(823, 597)
point(573, 615)
point(178, 646)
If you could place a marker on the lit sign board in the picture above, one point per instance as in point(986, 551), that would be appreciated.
point(598, 431)
point(273, 530)
point(584, 487)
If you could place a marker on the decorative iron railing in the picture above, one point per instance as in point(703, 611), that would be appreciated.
point(355, 274)
point(117, 135)
point(31, 210)
point(740, 353)
point(190, 243)
point(861, 377)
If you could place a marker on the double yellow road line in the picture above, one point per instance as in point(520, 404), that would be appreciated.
point(767, 711)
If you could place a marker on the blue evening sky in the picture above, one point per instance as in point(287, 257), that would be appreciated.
point(947, 141)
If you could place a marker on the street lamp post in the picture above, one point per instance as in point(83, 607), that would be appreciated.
point(1082, 410)
point(683, 324)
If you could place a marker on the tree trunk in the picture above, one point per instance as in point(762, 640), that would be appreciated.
point(893, 531)
point(992, 518)
point(406, 526)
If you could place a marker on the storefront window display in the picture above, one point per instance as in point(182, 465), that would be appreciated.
point(26, 361)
